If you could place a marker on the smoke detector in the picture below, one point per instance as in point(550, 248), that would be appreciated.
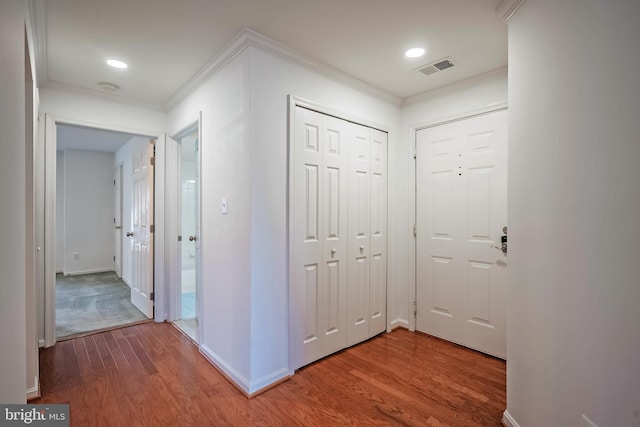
point(109, 87)
point(434, 67)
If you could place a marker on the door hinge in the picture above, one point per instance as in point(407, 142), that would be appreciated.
point(152, 296)
point(415, 231)
point(114, 258)
point(179, 238)
point(152, 228)
point(415, 308)
point(153, 161)
point(114, 182)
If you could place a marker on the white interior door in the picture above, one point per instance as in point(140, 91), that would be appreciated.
point(320, 230)
point(461, 209)
point(359, 234)
point(378, 233)
point(141, 235)
point(117, 220)
point(189, 223)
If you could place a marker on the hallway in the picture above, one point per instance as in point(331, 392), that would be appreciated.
point(151, 374)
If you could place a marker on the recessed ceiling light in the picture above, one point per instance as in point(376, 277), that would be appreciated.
point(414, 52)
point(117, 64)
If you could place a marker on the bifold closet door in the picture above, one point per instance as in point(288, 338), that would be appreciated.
point(339, 226)
point(367, 295)
point(378, 233)
point(320, 231)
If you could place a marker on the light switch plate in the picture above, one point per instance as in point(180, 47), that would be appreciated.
point(224, 207)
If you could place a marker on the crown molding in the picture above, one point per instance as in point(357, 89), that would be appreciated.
point(501, 72)
point(39, 27)
point(507, 8)
point(248, 38)
point(96, 94)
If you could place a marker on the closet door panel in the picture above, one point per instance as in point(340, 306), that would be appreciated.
point(333, 304)
point(359, 234)
point(378, 259)
point(308, 271)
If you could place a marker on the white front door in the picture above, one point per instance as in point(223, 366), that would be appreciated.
point(461, 209)
point(141, 235)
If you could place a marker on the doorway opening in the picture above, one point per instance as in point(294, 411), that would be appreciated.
point(187, 295)
point(102, 261)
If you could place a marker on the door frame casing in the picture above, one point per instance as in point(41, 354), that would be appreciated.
point(118, 175)
point(173, 222)
point(51, 121)
point(414, 128)
point(293, 102)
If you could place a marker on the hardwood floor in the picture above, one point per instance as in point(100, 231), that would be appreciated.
point(152, 375)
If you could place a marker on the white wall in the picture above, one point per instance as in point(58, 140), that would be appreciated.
point(454, 101)
point(13, 351)
point(244, 158)
point(224, 239)
point(88, 211)
point(124, 157)
point(574, 323)
point(59, 212)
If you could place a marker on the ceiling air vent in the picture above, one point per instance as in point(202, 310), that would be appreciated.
point(434, 67)
point(109, 87)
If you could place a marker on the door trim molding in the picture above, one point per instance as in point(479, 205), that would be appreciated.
point(173, 266)
point(413, 129)
point(49, 273)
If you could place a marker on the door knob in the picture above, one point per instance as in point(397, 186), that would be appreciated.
point(361, 249)
point(118, 227)
point(333, 252)
point(129, 233)
point(503, 247)
point(192, 238)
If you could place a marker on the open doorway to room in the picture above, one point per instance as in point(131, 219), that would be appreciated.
point(188, 215)
point(103, 213)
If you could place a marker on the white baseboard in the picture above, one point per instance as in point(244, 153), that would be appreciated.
point(268, 380)
point(227, 370)
point(41, 343)
point(399, 323)
point(249, 388)
point(34, 392)
point(91, 271)
point(508, 420)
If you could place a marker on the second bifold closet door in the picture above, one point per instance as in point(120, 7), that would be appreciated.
point(339, 228)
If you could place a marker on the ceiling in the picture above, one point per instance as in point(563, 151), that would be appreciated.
point(166, 42)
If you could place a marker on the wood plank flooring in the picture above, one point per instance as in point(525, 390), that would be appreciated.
point(152, 375)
